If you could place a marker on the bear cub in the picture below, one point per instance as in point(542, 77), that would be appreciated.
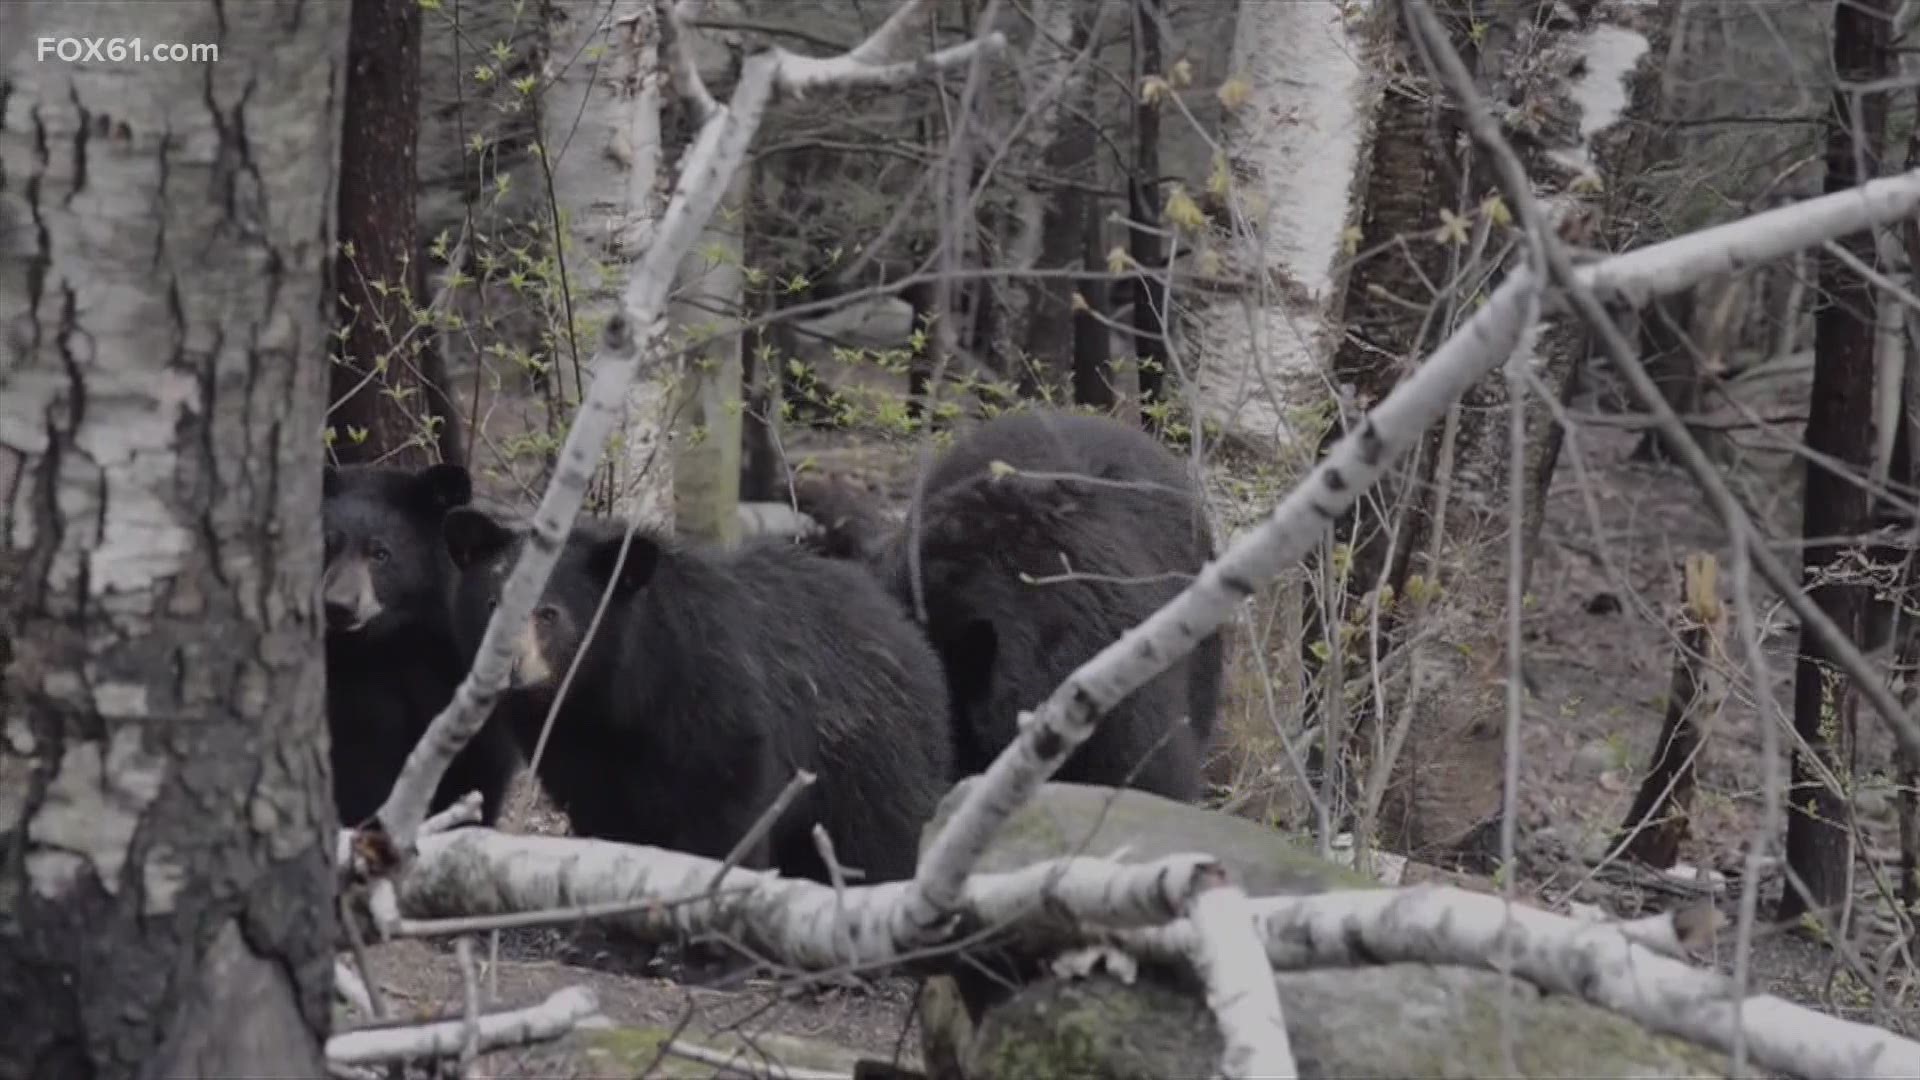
point(710, 679)
point(1023, 576)
point(392, 665)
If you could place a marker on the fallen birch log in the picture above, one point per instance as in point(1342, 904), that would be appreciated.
point(552, 1018)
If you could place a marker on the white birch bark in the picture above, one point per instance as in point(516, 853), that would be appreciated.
point(165, 228)
point(1296, 145)
point(558, 1015)
point(1231, 961)
point(601, 126)
point(669, 895)
point(706, 318)
point(1433, 924)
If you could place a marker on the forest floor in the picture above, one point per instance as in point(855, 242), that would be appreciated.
point(1600, 673)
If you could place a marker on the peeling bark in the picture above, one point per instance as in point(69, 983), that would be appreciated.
point(1449, 515)
point(1389, 321)
point(165, 870)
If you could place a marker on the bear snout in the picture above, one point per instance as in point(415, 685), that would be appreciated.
point(340, 617)
point(348, 597)
point(530, 669)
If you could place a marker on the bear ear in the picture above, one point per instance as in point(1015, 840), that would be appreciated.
point(643, 558)
point(473, 536)
point(330, 482)
point(443, 487)
point(1003, 510)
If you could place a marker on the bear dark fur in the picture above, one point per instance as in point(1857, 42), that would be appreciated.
point(712, 678)
point(1108, 500)
point(392, 664)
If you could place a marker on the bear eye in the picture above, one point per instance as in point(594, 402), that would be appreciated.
point(379, 553)
point(544, 616)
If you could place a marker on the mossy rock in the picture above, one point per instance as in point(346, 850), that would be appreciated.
point(1392, 1021)
point(1395, 1020)
point(1134, 826)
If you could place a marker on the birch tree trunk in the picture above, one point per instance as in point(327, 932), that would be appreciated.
point(603, 132)
point(707, 410)
point(1299, 133)
point(165, 826)
point(708, 417)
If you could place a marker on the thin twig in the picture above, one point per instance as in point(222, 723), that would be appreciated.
point(762, 825)
point(470, 984)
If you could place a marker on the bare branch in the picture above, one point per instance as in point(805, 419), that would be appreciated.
point(737, 1062)
point(799, 75)
point(686, 71)
point(887, 42)
point(762, 825)
point(349, 987)
point(1231, 962)
point(552, 1018)
point(470, 987)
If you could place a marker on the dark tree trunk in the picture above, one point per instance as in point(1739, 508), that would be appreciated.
point(1840, 428)
point(923, 297)
point(1906, 634)
point(762, 478)
point(388, 380)
point(1658, 820)
point(1406, 180)
point(1143, 206)
point(1092, 338)
point(1050, 314)
point(165, 824)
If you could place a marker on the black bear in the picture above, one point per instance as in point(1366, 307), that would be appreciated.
point(710, 679)
point(392, 663)
point(1021, 575)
